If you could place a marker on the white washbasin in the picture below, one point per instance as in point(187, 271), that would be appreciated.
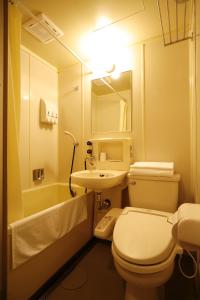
point(98, 179)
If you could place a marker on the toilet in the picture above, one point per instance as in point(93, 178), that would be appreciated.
point(143, 246)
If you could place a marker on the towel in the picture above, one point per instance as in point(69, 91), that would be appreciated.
point(33, 234)
point(150, 172)
point(169, 166)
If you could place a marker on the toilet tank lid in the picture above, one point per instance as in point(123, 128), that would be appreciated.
point(174, 177)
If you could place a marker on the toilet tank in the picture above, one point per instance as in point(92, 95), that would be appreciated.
point(153, 192)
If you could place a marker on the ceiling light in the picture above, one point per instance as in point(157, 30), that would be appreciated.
point(115, 75)
point(102, 22)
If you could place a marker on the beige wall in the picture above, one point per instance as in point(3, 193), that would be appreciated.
point(1, 134)
point(167, 110)
point(71, 119)
point(195, 105)
point(198, 115)
point(196, 54)
point(161, 111)
point(38, 142)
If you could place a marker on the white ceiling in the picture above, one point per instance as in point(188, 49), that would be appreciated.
point(138, 19)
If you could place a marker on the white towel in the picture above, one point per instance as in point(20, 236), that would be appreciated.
point(151, 172)
point(153, 165)
point(33, 234)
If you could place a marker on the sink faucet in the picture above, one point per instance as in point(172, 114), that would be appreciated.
point(91, 162)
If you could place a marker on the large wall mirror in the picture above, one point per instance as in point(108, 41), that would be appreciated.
point(111, 104)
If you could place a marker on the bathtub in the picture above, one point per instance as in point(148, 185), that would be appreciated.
point(40, 198)
point(26, 279)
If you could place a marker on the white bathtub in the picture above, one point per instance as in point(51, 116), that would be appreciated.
point(41, 198)
point(29, 277)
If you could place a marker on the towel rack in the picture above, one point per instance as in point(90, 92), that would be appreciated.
point(176, 18)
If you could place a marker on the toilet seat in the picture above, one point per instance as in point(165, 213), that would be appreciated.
point(143, 241)
point(149, 269)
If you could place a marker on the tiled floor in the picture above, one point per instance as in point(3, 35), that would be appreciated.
point(94, 278)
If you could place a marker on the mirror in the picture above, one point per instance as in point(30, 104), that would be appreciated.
point(111, 103)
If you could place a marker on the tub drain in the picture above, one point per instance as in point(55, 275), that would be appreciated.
point(75, 280)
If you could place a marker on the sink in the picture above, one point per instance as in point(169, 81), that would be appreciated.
point(98, 179)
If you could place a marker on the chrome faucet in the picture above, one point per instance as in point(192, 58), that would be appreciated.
point(91, 162)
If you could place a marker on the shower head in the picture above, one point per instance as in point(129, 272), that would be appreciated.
point(72, 136)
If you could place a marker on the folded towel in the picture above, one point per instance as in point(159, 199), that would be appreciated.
point(151, 172)
point(153, 165)
point(33, 234)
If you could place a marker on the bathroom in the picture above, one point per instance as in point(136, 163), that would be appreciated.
point(53, 122)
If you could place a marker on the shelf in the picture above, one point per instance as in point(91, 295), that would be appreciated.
point(110, 139)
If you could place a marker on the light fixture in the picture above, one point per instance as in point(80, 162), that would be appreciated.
point(102, 22)
point(115, 75)
point(104, 49)
point(111, 69)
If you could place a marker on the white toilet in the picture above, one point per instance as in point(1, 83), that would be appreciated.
point(143, 246)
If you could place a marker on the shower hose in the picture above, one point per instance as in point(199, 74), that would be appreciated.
point(73, 193)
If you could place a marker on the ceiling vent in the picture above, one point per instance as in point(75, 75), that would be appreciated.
point(43, 29)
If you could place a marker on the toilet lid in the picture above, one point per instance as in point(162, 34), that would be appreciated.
point(143, 237)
